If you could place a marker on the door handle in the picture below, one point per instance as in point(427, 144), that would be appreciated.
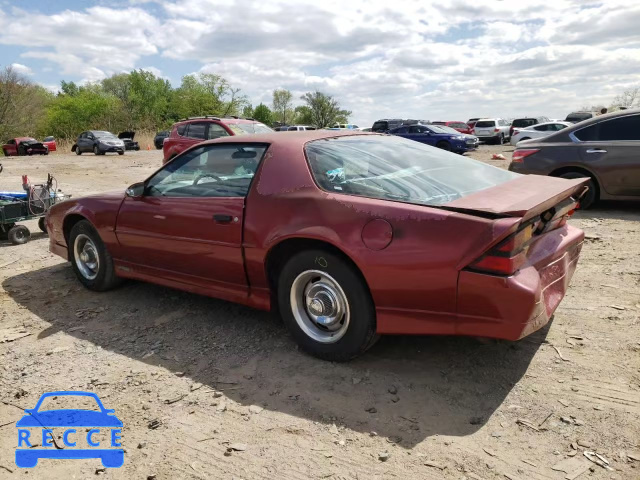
point(596, 150)
point(219, 218)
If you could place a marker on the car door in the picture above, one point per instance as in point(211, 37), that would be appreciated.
point(11, 147)
point(187, 226)
point(611, 148)
point(418, 133)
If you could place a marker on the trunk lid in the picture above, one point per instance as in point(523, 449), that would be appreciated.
point(526, 196)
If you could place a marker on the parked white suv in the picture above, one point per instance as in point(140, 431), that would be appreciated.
point(294, 128)
point(492, 130)
point(537, 131)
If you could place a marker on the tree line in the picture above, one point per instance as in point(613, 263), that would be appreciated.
point(140, 100)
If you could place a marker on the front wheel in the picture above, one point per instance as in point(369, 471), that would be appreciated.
point(77, 150)
point(326, 306)
point(90, 259)
point(444, 146)
point(19, 235)
point(95, 150)
point(120, 153)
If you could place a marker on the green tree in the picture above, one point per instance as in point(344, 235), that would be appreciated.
point(282, 105)
point(303, 115)
point(247, 111)
point(263, 114)
point(324, 109)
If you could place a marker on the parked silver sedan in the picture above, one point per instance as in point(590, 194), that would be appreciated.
point(537, 131)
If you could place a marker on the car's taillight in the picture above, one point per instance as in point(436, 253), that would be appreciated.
point(519, 155)
point(496, 130)
point(515, 131)
point(506, 257)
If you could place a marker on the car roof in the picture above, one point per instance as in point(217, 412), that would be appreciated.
point(19, 139)
point(209, 118)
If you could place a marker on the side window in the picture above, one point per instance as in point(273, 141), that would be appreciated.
point(197, 130)
point(559, 126)
point(416, 129)
point(216, 131)
point(208, 171)
point(11, 142)
point(182, 130)
point(620, 129)
point(401, 130)
point(542, 128)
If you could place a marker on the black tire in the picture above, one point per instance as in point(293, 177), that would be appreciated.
point(4, 152)
point(444, 146)
point(77, 150)
point(106, 278)
point(500, 140)
point(42, 225)
point(96, 151)
point(19, 235)
point(360, 333)
point(592, 196)
point(4, 230)
point(120, 153)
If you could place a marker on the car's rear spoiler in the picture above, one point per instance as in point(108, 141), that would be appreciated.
point(525, 196)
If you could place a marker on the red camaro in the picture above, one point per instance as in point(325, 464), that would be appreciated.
point(350, 235)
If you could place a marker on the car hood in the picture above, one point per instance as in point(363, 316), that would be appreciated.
point(69, 418)
point(525, 196)
point(128, 135)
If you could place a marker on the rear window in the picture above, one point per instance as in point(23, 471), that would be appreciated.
point(524, 122)
point(618, 129)
point(578, 117)
point(486, 123)
point(393, 168)
point(380, 127)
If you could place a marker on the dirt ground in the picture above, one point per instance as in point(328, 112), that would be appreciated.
point(191, 376)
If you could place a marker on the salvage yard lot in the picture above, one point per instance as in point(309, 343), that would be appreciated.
point(189, 376)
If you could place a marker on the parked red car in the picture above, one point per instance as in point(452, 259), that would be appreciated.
point(456, 125)
point(50, 143)
point(24, 146)
point(194, 130)
point(350, 235)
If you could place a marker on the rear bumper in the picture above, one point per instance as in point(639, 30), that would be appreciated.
point(514, 307)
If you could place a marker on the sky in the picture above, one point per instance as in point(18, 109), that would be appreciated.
point(434, 60)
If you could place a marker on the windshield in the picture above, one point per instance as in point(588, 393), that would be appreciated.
point(242, 128)
point(393, 168)
point(486, 123)
point(578, 117)
point(443, 129)
point(524, 122)
point(108, 135)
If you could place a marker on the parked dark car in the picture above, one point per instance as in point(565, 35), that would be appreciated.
point(436, 136)
point(605, 149)
point(386, 124)
point(127, 138)
point(99, 142)
point(159, 138)
point(576, 117)
point(526, 122)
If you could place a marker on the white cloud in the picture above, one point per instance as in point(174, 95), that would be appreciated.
point(22, 69)
point(429, 59)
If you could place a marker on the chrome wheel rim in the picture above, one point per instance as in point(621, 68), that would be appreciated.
point(86, 256)
point(320, 306)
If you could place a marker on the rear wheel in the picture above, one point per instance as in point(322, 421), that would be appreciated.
point(90, 259)
point(42, 225)
point(444, 146)
point(78, 152)
point(120, 153)
point(591, 197)
point(19, 235)
point(95, 150)
point(326, 306)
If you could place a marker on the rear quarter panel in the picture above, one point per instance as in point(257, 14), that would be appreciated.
point(413, 280)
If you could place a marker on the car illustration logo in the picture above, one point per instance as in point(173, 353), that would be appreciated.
point(81, 426)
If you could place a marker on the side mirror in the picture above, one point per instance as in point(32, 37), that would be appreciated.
point(136, 190)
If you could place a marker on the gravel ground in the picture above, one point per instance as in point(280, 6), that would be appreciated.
point(190, 377)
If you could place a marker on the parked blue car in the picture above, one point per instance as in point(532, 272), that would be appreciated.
point(436, 136)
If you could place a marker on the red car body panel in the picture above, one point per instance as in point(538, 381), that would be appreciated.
point(51, 145)
point(412, 257)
